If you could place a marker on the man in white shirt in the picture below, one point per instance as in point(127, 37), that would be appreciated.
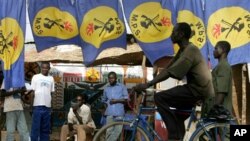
point(13, 107)
point(80, 121)
point(42, 85)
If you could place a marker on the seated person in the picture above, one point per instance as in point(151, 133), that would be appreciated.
point(80, 121)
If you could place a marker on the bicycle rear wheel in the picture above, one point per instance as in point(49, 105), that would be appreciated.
point(126, 134)
point(212, 132)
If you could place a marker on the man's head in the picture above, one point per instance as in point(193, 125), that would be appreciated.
point(45, 67)
point(112, 78)
point(222, 47)
point(77, 103)
point(81, 99)
point(181, 31)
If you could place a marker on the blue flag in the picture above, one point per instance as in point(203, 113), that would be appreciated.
point(191, 12)
point(12, 31)
point(101, 26)
point(151, 22)
point(53, 22)
point(229, 20)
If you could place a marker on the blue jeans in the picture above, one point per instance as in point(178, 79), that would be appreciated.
point(40, 128)
point(114, 132)
point(16, 119)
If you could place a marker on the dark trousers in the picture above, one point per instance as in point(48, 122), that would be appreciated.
point(40, 123)
point(179, 97)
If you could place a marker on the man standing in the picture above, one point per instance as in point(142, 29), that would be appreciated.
point(188, 63)
point(43, 85)
point(80, 121)
point(115, 95)
point(13, 107)
point(222, 76)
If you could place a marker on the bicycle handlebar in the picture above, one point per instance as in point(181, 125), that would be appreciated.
point(143, 93)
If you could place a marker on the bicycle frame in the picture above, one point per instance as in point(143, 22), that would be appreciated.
point(141, 122)
point(202, 126)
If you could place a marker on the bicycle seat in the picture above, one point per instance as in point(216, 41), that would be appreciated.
point(222, 117)
point(219, 112)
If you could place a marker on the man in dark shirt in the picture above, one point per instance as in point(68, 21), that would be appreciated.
point(187, 62)
point(222, 76)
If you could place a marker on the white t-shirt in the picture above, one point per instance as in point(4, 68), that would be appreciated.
point(12, 103)
point(85, 113)
point(43, 86)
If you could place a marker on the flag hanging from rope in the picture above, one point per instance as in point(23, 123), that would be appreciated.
point(53, 23)
point(101, 27)
point(12, 31)
point(151, 22)
point(191, 12)
point(229, 20)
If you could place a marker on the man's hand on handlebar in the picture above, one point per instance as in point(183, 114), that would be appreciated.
point(141, 87)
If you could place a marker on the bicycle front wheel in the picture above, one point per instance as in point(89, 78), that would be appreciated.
point(212, 132)
point(124, 135)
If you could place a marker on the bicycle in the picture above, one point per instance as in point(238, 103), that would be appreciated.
point(137, 129)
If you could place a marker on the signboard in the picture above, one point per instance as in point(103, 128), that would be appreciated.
point(160, 127)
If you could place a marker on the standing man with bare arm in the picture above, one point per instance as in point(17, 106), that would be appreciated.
point(42, 85)
point(15, 119)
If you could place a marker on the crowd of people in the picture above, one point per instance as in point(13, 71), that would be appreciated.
point(212, 88)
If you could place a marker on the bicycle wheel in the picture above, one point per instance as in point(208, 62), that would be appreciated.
point(212, 132)
point(125, 135)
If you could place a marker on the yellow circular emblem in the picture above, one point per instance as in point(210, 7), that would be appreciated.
point(149, 22)
point(231, 24)
point(53, 22)
point(198, 35)
point(97, 28)
point(11, 41)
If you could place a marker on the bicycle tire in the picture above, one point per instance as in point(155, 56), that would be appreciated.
point(100, 135)
point(212, 131)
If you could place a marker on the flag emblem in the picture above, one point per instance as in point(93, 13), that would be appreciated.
point(151, 23)
point(228, 28)
point(11, 41)
point(53, 22)
point(97, 28)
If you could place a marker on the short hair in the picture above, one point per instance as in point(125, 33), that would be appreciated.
point(45, 63)
point(83, 97)
point(225, 45)
point(112, 73)
point(185, 28)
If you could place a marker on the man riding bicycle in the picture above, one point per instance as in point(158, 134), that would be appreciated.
point(188, 63)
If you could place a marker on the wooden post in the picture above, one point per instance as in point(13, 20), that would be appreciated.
point(125, 68)
point(237, 92)
point(144, 69)
point(247, 97)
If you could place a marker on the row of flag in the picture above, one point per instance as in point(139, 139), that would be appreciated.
point(96, 25)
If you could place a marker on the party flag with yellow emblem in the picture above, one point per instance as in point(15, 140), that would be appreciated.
point(53, 22)
point(151, 22)
point(191, 12)
point(101, 27)
point(12, 31)
point(229, 20)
